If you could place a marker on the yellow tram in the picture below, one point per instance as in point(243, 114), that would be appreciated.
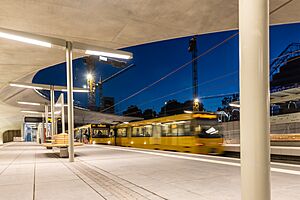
point(194, 133)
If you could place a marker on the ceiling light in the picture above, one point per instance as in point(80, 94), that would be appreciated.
point(76, 90)
point(30, 112)
point(59, 105)
point(108, 54)
point(29, 103)
point(25, 40)
point(26, 86)
point(103, 58)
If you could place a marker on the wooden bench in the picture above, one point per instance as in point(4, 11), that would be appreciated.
point(61, 141)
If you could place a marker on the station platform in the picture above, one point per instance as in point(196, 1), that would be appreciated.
point(30, 171)
point(275, 150)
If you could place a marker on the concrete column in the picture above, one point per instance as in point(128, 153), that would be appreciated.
point(22, 130)
point(46, 119)
point(254, 99)
point(69, 58)
point(63, 128)
point(43, 129)
point(52, 111)
point(38, 133)
point(1, 137)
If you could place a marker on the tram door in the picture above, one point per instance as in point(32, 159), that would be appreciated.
point(121, 136)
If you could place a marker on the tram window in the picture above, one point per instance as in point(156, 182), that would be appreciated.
point(209, 132)
point(142, 131)
point(148, 131)
point(122, 132)
point(174, 130)
point(164, 130)
point(169, 130)
point(100, 133)
point(184, 129)
point(137, 132)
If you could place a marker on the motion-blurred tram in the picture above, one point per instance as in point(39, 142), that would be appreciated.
point(194, 133)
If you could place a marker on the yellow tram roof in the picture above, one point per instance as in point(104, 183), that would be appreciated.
point(172, 118)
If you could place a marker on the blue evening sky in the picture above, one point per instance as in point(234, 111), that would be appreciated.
point(218, 70)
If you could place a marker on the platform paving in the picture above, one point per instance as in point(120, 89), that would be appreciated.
point(29, 171)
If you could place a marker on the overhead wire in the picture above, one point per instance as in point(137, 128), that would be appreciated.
point(187, 63)
point(184, 89)
point(174, 71)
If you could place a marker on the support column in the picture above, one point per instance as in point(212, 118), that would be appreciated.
point(63, 128)
point(22, 130)
point(70, 99)
point(38, 134)
point(52, 111)
point(254, 99)
point(46, 119)
point(43, 130)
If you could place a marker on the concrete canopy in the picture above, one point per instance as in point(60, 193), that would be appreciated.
point(110, 23)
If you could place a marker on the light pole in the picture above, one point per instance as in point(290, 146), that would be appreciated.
point(166, 108)
point(196, 104)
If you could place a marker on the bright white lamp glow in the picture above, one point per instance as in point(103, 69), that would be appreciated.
point(59, 105)
point(29, 103)
point(196, 100)
point(107, 54)
point(30, 112)
point(26, 86)
point(25, 40)
point(234, 105)
point(89, 76)
point(188, 111)
point(103, 58)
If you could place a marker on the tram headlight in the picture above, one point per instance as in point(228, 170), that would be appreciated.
point(108, 142)
point(131, 142)
point(94, 142)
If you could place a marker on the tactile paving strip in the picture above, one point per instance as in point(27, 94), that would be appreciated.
point(109, 186)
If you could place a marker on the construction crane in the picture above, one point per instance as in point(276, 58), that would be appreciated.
point(100, 83)
point(193, 50)
point(90, 63)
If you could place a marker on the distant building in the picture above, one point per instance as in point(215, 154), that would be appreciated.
point(108, 105)
point(288, 75)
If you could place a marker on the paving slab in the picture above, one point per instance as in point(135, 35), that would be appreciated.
point(30, 171)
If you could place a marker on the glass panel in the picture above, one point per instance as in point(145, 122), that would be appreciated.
point(122, 132)
point(100, 133)
point(148, 131)
point(142, 131)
